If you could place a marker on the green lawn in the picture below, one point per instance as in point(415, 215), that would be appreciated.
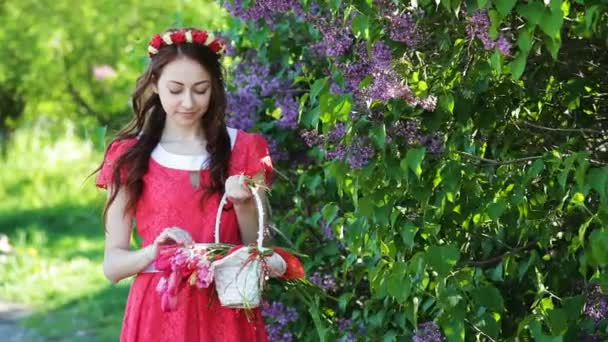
point(52, 217)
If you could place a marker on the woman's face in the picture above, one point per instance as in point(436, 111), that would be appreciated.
point(184, 88)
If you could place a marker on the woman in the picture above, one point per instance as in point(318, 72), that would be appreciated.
point(167, 171)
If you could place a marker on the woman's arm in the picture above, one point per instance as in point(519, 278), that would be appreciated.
point(119, 260)
point(247, 217)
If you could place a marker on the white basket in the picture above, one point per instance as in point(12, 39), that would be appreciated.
point(237, 279)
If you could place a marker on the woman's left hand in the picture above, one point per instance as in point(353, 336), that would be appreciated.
point(237, 190)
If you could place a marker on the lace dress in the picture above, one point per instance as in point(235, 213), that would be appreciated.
point(169, 199)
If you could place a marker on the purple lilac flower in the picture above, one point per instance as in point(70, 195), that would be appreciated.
point(386, 86)
point(478, 26)
point(337, 133)
point(289, 109)
point(243, 107)
point(361, 152)
point(433, 144)
point(428, 332)
point(336, 89)
point(350, 329)
point(328, 231)
point(325, 281)
point(408, 130)
point(385, 7)
point(280, 312)
point(336, 40)
point(355, 73)
point(268, 10)
point(430, 103)
point(403, 28)
point(276, 152)
point(311, 137)
point(596, 304)
point(337, 153)
point(504, 45)
point(382, 56)
point(280, 316)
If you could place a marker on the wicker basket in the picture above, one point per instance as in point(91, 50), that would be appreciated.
point(239, 276)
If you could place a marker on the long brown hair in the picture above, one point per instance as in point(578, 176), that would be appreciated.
point(149, 119)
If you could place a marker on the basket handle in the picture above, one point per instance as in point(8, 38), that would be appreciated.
point(259, 206)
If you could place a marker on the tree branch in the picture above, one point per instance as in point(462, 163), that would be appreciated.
point(578, 130)
point(497, 162)
point(495, 259)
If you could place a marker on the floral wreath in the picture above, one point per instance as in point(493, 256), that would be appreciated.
point(182, 36)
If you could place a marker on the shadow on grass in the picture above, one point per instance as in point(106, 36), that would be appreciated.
point(66, 231)
point(94, 317)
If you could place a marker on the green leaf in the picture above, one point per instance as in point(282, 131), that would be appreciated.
point(553, 45)
point(552, 23)
point(316, 88)
point(488, 325)
point(379, 135)
point(360, 27)
point(495, 210)
point(408, 233)
point(442, 258)
point(454, 330)
point(526, 39)
point(398, 283)
point(518, 64)
point(534, 170)
point(504, 7)
point(599, 252)
point(496, 61)
point(573, 306)
point(578, 199)
point(488, 297)
point(413, 160)
point(557, 320)
point(446, 102)
point(329, 212)
point(532, 11)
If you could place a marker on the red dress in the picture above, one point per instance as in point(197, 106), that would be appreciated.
point(169, 199)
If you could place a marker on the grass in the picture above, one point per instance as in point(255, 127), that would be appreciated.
point(52, 217)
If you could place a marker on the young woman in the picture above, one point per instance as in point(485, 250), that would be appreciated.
point(167, 171)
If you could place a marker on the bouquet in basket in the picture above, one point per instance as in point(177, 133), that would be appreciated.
point(238, 272)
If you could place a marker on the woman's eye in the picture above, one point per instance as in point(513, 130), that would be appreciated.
point(174, 91)
point(202, 92)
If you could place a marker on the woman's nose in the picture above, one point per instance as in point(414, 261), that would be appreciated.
point(187, 101)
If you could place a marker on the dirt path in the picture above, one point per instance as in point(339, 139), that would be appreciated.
point(10, 313)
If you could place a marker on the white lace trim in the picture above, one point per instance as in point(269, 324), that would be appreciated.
point(187, 162)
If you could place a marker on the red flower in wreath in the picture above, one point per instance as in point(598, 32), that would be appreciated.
point(199, 37)
point(157, 41)
point(178, 37)
point(216, 45)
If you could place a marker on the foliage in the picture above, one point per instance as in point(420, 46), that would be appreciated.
point(438, 161)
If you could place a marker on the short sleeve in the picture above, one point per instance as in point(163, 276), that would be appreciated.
point(258, 158)
point(114, 151)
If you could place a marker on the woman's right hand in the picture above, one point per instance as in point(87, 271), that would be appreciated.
point(173, 235)
point(169, 236)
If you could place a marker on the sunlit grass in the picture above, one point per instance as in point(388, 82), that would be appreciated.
point(52, 217)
